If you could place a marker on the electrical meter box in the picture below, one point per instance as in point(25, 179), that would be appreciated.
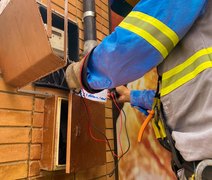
point(57, 41)
point(57, 79)
point(25, 52)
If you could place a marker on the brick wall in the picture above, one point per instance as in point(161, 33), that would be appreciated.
point(22, 115)
point(21, 121)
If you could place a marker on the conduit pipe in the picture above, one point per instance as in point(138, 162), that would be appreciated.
point(89, 20)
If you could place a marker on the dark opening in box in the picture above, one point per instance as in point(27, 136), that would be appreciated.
point(57, 79)
point(62, 130)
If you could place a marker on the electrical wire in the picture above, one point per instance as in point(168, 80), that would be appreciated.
point(119, 136)
point(91, 124)
point(91, 134)
point(90, 130)
point(114, 155)
point(128, 140)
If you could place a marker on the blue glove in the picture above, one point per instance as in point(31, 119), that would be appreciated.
point(142, 110)
point(142, 100)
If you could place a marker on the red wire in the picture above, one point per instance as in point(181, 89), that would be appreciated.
point(89, 125)
point(119, 136)
point(90, 130)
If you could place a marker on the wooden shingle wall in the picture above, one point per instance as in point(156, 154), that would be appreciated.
point(22, 115)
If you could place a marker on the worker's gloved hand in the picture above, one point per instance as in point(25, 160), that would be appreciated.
point(76, 75)
point(73, 75)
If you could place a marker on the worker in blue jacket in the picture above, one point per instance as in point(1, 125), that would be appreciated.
point(175, 37)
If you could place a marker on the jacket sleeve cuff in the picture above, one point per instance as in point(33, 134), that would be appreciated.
point(84, 74)
point(142, 98)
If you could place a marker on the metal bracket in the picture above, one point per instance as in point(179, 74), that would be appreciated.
point(31, 92)
point(87, 14)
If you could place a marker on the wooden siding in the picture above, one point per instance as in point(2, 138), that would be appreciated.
point(22, 115)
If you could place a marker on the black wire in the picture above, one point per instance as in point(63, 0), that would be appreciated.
point(127, 135)
point(108, 143)
point(107, 140)
point(100, 132)
point(125, 125)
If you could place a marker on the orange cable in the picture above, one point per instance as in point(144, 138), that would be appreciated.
point(144, 124)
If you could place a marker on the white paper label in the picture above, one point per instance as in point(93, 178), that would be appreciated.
point(100, 97)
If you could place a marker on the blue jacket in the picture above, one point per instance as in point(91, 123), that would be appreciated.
point(141, 41)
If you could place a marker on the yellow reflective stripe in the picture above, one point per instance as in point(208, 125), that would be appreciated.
point(186, 78)
point(155, 32)
point(187, 63)
point(147, 36)
point(162, 38)
point(158, 24)
point(186, 71)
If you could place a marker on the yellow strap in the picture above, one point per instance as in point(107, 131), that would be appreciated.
point(159, 132)
point(192, 177)
point(156, 130)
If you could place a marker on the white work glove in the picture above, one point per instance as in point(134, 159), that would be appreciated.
point(73, 75)
point(76, 75)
